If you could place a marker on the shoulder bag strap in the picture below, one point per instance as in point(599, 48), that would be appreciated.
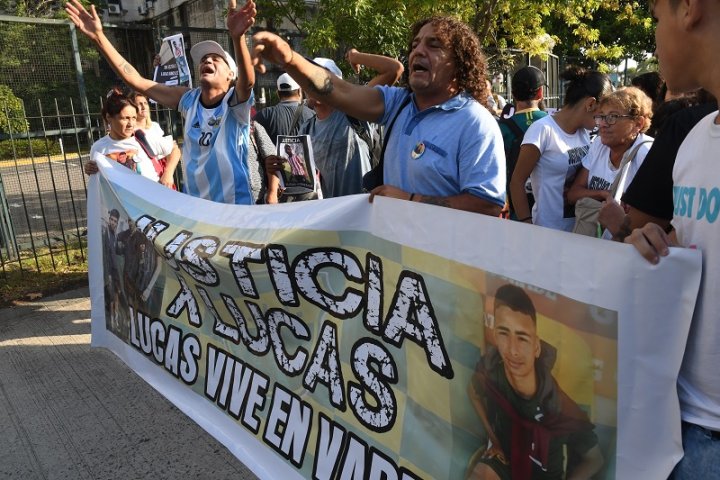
point(253, 137)
point(514, 127)
point(360, 130)
point(296, 118)
point(142, 141)
point(618, 186)
point(389, 128)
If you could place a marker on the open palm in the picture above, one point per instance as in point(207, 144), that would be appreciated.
point(88, 22)
point(239, 20)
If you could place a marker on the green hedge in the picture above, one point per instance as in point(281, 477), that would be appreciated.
point(22, 148)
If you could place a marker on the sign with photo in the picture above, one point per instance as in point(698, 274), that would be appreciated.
point(171, 65)
point(299, 174)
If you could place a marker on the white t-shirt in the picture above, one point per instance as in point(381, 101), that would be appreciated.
point(129, 152)
point(155, 129)
point(696, 193)
point(561, 154)
point(602, 173)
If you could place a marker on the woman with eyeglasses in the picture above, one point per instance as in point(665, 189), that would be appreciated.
point(120, 144)
point(623, 118)
point(552, 151)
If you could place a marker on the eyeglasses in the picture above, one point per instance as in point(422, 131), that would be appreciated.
point(610, 119)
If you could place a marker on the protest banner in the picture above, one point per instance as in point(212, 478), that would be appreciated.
point(342, 339)
point(172, 66)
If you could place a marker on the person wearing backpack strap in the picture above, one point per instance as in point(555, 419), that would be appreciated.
point(527, 94)
point(286, 117)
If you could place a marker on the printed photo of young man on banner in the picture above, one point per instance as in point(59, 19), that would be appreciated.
point(171, 65)
point(544, 387)
point(322, 341)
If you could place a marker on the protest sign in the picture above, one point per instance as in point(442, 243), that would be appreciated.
point(342, 339)
point(171, 65)
point(298, 172)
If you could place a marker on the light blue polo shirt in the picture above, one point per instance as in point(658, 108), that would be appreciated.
point(215, 150)
point(445, 150)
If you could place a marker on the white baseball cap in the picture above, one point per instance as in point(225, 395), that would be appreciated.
point(285, 83)
point(328, 65)
point(199, 50)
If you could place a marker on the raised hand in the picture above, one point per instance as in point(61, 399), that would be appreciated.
point(239, 20)
point(268, 46)
point(349, 57)
point(88, 23)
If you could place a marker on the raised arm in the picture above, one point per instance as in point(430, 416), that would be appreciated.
point(389, 70)
point(239, 22)
point(358, 101)
point(89, 24)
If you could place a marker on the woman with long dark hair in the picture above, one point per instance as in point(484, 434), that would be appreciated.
point(553, 149)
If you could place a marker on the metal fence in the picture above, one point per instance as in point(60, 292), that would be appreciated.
point(43, 187)
point(509, 61)
point(58, 82)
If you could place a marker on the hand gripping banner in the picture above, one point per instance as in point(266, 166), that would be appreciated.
point(394, 340)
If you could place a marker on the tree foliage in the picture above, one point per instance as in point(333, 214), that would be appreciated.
point(615, 30)
point(35, 8)
point(37, 58)
point(599, 31)
point(12, 119)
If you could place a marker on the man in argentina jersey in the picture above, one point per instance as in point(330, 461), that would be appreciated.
point(216, 134)
point(217, 114)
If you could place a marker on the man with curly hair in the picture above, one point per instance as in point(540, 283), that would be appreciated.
point(443, 145)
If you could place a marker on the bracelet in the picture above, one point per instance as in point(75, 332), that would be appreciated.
point(412, 195)
point(525, 219)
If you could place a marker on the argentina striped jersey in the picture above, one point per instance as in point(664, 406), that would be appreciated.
point(215, 150)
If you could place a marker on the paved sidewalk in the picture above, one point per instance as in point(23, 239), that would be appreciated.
point(71, 412)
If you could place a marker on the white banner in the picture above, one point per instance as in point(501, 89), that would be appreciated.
point(402, 342)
